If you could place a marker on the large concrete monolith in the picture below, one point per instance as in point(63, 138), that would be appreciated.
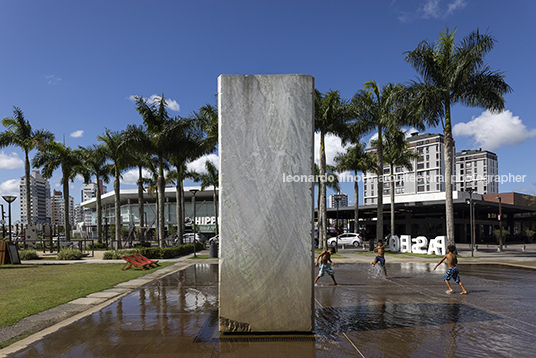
point(266, 128)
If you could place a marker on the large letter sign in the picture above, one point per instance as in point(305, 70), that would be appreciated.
point(405, 243)
point(419, 243)
point(438, 246)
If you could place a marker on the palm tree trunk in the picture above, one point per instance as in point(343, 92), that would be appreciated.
point(392, 201)
point(449, 210)
point(379, 158)
point(99, 211)
point(66, 207)
point(322, 210)
point(27, 184)
point(356, 206)
point(117, 211)
point(141, 212)
point(161, 216)
point(180, 208)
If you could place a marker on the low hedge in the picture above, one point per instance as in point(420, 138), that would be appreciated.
point(155, 252)
point(69, 254)
point(28, 255)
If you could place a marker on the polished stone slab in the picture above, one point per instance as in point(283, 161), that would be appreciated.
point(266, 128)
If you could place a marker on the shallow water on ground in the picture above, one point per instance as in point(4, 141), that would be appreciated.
point(407, 315)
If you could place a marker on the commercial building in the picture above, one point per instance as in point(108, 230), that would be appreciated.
point(477, 170)
point(40, 200)
point(205, 217)
point(88, 192)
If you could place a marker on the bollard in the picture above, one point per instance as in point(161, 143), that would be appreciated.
point(523, 248)
point(343, 247)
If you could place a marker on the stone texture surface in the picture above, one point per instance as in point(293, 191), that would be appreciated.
point(266, 240)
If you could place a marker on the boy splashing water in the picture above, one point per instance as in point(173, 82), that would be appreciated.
point(452, 271)
point(325, 265)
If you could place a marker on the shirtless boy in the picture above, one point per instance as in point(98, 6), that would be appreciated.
point(380, 250)
point(325, 265)
point(452, 271)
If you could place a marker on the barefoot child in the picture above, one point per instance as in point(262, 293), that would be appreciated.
point(452, 271)
point(380, 250)
point(325, 265)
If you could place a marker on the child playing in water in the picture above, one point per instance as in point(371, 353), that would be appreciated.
point(452, 271)
point(325, 264)
point(380, 250)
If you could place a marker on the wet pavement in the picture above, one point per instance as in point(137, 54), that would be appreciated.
point(407, 315)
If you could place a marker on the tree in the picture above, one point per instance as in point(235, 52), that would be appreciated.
point(331, 115)
point(356, 160)
point(94, 162)
point(165, 134)
point(20, 133)
point(56, 155)
point(454, 73)
point(375, 109)
point(115, 151)
point(396, 154)
point(210, 178)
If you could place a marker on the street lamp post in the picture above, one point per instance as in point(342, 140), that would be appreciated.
point(470, 191)
point(337, 199)
point(3, 223)
point(10, 199)
point(194, 191)
point(500, 224)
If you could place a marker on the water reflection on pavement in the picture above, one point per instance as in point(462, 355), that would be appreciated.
point(408, 315)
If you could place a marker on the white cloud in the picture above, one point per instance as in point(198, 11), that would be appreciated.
point(333, 147)
point(131, 177)
point(198, 165)
point(171, 103)
point(52, 80)
point(77, 134)
point(432, 9)
point(10, 187)
point(10, 161)
point(490, 131)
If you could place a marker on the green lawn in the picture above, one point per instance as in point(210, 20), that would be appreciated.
point(30, 289)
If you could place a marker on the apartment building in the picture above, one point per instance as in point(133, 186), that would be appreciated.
point(40, 202)
point(476, 169)
point(343, 200)
point(58, 210)
point(427, 179)
point(88, 192)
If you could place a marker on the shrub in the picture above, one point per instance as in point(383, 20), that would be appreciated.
point(116, 255)
point(97, 245)
point(28, 255)
point(155, 252)
point(69, 254)
point(143, 244)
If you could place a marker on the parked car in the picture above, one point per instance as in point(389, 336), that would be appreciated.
point(346, 239)
point(189, 238)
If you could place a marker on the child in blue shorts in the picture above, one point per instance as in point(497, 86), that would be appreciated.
point(380, 250)
point(325, 265)
point(452, 271)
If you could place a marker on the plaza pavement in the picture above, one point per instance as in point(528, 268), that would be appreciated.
point(70, 314)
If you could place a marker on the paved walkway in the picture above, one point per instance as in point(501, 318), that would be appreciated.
point(173, 312)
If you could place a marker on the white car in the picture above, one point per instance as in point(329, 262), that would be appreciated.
point(346, 239)
point(189, 238)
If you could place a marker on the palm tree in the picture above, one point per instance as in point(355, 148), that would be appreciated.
point(356, 160)
point(57, 155)
point(115, 151)
point(210, 178)
point(165, 134)
point(20, 133)
point(331, 182)
point(396, 154)
point(179, 174)
point(94, 161)
point(207, 119)
point(375, 109)
point(454, 73)
point(331, 115)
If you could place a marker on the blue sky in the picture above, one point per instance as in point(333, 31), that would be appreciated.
point(72, 66)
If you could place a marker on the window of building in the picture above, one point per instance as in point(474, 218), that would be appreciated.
point(398, 169)
point(420, 143)
point(437, 163)
point(428, 188)
point(420, 150)
point(420, 165)
point(386, 191)
point(420, 188)
point(469, 164)
point(461, 171)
